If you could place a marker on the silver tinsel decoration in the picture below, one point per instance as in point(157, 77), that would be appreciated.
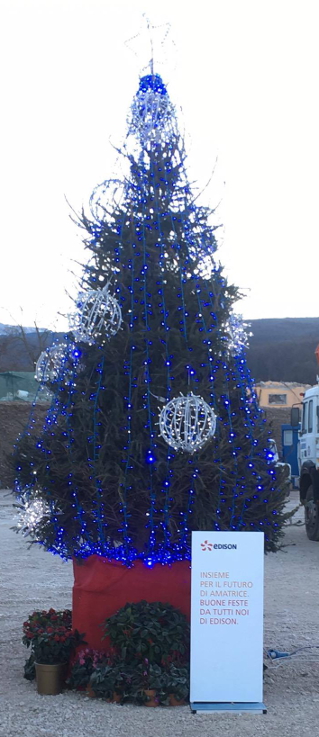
point(32, 510)
point(187, 423)
point(152, 112)
point(237, 335)
point(99, 316)
point(57, 361)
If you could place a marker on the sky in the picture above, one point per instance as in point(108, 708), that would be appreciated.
point(243, 77)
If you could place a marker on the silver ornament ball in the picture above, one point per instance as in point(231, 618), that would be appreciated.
point(56, 361)
point(187, 423)
point(99, 315)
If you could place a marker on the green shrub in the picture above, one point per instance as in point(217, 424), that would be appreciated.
point(155, 632)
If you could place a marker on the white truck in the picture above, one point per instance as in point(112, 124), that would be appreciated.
point(308, 458)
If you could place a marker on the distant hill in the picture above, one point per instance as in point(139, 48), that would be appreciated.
point(281, 349)
point(4, 329)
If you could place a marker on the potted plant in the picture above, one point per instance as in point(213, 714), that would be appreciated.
point(147, 637)
point(38, 621)
point(154, 631)
point(177, 684)
point(105, 681)
point(149, 684)
point(52, 641)
point(85, 663)
point(125, 682)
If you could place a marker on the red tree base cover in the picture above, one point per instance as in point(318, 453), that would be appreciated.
point(102, 587)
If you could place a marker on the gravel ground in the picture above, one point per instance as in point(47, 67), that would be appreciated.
point(33, 579)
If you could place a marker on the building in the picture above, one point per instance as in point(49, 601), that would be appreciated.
point(279, 394)
point(21, 386)
point(276, 399)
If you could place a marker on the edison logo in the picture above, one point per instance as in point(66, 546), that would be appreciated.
point(217, 546)
point(206, 545)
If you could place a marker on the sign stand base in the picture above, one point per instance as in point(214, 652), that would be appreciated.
point(233, 708)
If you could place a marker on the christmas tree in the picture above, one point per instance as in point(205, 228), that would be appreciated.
point(154, 428)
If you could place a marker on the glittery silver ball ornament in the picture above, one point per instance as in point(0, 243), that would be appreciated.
point(99, 316)
point(187, 423)
point(56, 362)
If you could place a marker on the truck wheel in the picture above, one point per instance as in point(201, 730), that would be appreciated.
point(311, 516)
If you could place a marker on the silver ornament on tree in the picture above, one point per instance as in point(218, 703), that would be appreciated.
point(32, 509)
point(56, 361)
point(237, 335)
point(187, 423)
point(98, 316)
point(152, 111)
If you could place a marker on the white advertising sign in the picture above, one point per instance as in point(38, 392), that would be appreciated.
point(227, 617)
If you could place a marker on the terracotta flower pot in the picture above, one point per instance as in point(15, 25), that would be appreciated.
point(50, 678)
point(152, 700)
point(90, 692)
point(116, 698)
point(173, 701)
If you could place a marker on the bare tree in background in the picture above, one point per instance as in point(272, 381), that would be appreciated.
point(20, 349)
